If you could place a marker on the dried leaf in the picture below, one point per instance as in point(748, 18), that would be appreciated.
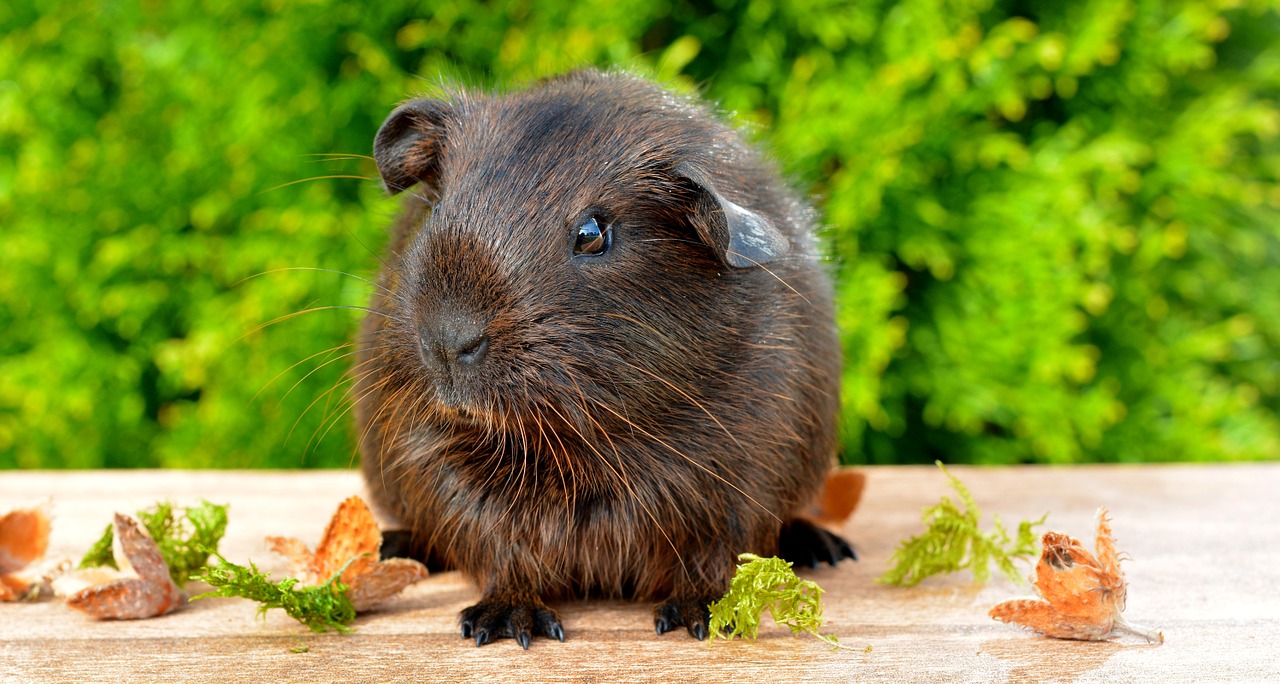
point(24, 538)
point(351, 540)
point(1081, 597)
point(141, 588)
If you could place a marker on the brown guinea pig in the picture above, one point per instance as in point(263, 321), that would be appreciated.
point(601, 359)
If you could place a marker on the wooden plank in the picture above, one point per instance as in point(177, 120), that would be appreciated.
point(1203, 570)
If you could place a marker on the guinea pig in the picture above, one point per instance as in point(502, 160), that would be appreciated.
point(601, 358)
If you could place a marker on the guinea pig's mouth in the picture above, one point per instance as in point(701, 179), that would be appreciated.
point(458, 405)
point(463, 414)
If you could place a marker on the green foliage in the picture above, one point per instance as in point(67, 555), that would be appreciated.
point(770, 584)
point(1053, 225)
point(321, 608)
point(953, 541)
point(185, 541)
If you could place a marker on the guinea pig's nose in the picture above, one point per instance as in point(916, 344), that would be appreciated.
point(455, 341)
point(469, 346)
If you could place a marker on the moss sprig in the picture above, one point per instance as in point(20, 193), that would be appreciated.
point(953, 541)
point(320, 608)
point(770, 584)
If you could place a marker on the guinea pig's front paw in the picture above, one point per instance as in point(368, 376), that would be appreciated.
point(806, 544)
point(694, 614)
point(519, 619)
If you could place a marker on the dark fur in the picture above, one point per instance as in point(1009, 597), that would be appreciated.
point(639, 418)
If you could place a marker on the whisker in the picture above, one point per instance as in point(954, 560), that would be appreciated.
point(326, 363)
point(316, 178)
point(311, 268)
point(341, 381)
point(295, 314)
point(373, 420)
point(336, 419)
point(376, 421)
point(340, 156)
point(330, 350)
point(775, 276)
point(347, 398)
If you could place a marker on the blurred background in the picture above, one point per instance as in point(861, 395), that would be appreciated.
point(1053, 224)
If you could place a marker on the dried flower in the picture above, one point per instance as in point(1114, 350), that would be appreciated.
point(1081, 597)
point(350, 544)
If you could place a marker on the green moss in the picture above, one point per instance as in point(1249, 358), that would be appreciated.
point(768, 584)
point(185, 537)
point(953, 541)
point(320, 608)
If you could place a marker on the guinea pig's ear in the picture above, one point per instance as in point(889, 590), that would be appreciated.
point(740, 237)
point(407, 147)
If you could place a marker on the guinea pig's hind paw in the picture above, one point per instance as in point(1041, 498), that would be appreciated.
point(489, 620)
point(806, 544)
point(692, 613)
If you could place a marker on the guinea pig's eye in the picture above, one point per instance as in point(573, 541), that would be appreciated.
point(592, 239)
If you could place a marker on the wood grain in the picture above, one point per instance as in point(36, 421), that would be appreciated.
point(1204, 570)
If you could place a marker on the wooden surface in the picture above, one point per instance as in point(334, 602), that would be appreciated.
point(1204, 542)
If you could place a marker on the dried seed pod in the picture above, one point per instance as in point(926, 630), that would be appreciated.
point(142, 587)
point(1081, 596)
point(382, 580)
point(24, 538)
point(350, 544)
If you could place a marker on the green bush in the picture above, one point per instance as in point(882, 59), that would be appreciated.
point(1054, 225)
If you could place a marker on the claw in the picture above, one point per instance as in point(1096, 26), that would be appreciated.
point(493, 619)
point(692, 613)
point(847, 551)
